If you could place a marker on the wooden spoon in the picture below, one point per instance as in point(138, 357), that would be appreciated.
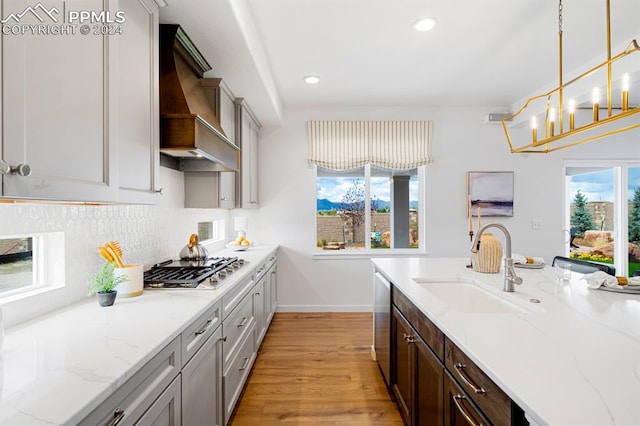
point(106, 255)
point(114, 255)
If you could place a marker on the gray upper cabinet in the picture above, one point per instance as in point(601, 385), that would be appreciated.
point(247, 131)
point(137, 103)
point(81, 109)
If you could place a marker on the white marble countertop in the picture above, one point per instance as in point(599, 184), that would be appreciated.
point(573, 359)
point(58, 368)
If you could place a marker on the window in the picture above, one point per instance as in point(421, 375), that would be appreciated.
point(31, 264)
point(369, 180)
point(16, 263)
point(603, 213)
point(368, 208)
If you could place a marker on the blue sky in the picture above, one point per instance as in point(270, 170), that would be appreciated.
point(598, 186)
point(333, 188)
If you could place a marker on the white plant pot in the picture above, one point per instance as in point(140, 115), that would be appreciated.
point(135, 282)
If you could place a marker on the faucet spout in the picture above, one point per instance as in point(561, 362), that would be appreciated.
point(510, 277)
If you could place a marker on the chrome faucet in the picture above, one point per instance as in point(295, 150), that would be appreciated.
point(510, 277)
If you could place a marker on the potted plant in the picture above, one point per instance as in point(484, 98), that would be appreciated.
point(104, 282)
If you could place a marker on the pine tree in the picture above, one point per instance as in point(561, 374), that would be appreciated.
point(581, 217)
point(634, 217)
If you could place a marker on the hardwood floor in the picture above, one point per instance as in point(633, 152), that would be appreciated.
point(316, 369)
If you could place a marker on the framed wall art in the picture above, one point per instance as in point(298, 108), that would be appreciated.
point(492, 192)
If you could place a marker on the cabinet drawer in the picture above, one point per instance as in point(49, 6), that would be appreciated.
point(237, 373)
point(493, 402)
point(231, 299)
point(458, 407)
point(235, 329)
point(194, 336)
point(423, 325)
point(131, 400)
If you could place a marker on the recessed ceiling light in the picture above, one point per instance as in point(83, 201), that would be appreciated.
point(425, 24)
point(311, 79)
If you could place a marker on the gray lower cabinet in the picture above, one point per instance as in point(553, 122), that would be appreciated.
point(132, 403)
point(166, 409)
point(202, 384)
point(198, 378)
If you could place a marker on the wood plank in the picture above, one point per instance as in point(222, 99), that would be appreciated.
point(316, 369)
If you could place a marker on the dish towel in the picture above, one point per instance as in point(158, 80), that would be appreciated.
point(518, 258)
point(599, 279)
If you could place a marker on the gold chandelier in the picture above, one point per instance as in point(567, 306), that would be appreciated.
point(548, 130)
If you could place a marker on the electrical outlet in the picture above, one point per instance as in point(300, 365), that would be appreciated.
point(536, 225)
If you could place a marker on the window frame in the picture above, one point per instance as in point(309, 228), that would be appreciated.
point(368, 252)
point(48, 266)
point(620, 168)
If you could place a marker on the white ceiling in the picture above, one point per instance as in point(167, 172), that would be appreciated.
point(482, 52)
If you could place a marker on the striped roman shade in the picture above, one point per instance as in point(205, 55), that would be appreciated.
point(348, 145)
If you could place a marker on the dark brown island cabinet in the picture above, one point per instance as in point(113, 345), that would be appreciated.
point(434, 382)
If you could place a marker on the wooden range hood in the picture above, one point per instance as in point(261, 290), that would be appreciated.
point(190, 107)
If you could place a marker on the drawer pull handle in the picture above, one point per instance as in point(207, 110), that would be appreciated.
point(409, 338)
point(224, 339)
point(244, 319)
point(244, 366)
point(118, 415)
point(205, 327)
point(467, 416)
point(459, 367)
point(257, 293)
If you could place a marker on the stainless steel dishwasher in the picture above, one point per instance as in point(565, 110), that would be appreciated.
point(382, 323)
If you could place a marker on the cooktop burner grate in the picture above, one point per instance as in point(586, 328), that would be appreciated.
point(186, 273)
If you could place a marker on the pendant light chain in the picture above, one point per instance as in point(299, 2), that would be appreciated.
point(560, 17)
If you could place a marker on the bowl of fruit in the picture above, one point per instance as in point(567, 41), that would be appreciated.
point(239, 244)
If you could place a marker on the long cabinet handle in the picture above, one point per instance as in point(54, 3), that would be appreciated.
point(244, 320)
point(118, 415)
point(244, 366)
point(459, 367)
point(204, 328)
point(456, 400)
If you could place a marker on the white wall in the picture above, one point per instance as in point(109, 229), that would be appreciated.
point(461, 143)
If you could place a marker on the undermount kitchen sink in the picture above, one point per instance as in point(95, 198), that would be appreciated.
point(472, 297)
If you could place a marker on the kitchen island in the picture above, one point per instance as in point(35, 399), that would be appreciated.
point(59, 368)
point(571, 359)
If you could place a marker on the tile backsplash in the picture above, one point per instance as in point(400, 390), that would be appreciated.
point(147, 235)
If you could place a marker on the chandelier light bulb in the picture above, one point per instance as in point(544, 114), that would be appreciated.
point(596, 95)
point(552, 115)
point(572, 112)
point(534, 122)
point(625, 92)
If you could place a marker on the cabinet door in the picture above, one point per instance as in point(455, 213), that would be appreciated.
point(136, 83)
point(247, 130)
point(56, 109)
point(401, 371)
point(202, 385)
point(259, 300)
point(165, 411)
point(227, 190)
point(429, 382)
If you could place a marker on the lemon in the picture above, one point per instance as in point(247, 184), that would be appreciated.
point(245, 242)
